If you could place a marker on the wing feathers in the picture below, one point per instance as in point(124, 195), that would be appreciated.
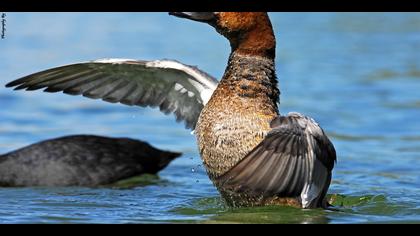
point(169, 85)
point(289, 162)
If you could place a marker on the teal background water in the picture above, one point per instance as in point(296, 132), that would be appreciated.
point(357, 74)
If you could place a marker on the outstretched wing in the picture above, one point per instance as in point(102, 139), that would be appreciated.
point(294, 160)
point(167, 84)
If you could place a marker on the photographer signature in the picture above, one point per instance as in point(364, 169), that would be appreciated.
point(3, 25)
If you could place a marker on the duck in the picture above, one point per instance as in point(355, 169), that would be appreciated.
point(81, 160)
point(253, 155)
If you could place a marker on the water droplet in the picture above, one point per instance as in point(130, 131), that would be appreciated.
point(192, 170)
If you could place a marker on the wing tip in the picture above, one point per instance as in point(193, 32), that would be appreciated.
point(13, 83)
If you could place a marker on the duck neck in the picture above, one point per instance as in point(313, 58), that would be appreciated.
point(252, 78)
point(258, 40)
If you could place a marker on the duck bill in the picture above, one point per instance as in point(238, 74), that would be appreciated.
point(206, 17)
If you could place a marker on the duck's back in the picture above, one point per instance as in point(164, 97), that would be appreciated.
point(81, 160)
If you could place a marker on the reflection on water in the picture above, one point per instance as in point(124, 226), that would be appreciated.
point(216, 212)
point(355, 73)
point(342, 206)
point(387, 74)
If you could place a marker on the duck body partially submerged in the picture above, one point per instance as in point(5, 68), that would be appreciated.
point(81, 160)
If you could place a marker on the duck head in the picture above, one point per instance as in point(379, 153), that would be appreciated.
point(249, 33)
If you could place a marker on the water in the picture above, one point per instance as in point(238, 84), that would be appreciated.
point(357, 74)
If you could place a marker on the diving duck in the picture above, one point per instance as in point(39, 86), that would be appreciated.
point(81, 160)
point(253, 155)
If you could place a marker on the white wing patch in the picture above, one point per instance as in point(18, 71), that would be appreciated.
point(205, 93)
point(190, 94)
point(178, 87)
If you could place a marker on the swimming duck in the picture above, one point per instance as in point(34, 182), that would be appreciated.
point(253, 155)
point(81, 160)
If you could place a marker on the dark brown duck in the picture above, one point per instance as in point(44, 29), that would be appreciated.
point(81, 160)
point(253, 155)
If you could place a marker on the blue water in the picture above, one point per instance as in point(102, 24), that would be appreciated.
point(357, 74)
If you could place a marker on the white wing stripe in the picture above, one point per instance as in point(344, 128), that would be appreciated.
point(113, 60)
